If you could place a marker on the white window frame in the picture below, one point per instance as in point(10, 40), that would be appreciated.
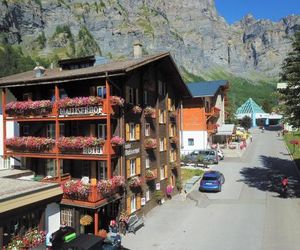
point(102, 131)
point(147, 162)
point(192, 140)
point(132, 203)
point(50, 133)
point(132, 167)
point(131, 131)
point(147, 129)
point(103, 92)
point(147, 195)
point(161, 116)
point(66, 216)
point(162, 172)
point(161, 144)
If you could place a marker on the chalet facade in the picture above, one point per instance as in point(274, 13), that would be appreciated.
point(107, 133)
point(203, 114)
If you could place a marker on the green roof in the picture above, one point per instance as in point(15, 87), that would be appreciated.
point(249, 106)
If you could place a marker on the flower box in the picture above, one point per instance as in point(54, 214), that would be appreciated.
point(150, 112)
point(172, 115)
point(80, 102)
point(117, 101)
point(150, 175)
point(79, 143)
point(174, 140)
point(135, 182)
point(30, 143)
point(136, 109)
point(76, 190)
point(29, 108)
point(150, 143)
point(107, 187)
point(117, 141)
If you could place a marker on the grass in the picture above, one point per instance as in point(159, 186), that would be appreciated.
point(189, 173)
point(294, 149)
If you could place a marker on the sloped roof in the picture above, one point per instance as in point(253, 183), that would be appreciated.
point(209, 88)
point(249, 107)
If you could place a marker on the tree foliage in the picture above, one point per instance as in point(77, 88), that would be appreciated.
point(246, 122)
point(291, 75)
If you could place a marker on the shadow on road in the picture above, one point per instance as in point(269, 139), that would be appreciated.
point(269, 176)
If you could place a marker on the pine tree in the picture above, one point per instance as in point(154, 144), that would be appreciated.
point(291, 75)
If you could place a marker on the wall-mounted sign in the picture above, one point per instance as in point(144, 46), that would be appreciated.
point(93, 151)
point(132, 151)
point(127, 145)
point(94, 110)
point(143, 201)
point(157, 186)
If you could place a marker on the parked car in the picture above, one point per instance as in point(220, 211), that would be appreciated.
point(212, 181)
point(210, 156)
point(220, 154)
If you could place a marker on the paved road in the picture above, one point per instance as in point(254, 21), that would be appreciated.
point(248, 214)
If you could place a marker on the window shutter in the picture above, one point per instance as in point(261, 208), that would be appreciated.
point(170, 130)
point(138, 202)
point(165, 143)
point(128, 205)
point(169, 104)
point(127, 132)
point(127, 94)
point(128, 168)
point(166, 171)
point(137, 96)
point(165, 116)
point(138, 165)
point(175, 156)
point(137, 131)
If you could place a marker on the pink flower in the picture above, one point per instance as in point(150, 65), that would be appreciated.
point(116, 140)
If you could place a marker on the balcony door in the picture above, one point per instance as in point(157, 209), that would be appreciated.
point(102, 131)
point(101, 170)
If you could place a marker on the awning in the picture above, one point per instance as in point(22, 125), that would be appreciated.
point(225, 129)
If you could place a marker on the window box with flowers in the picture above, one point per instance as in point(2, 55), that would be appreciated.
point(172, 115)
point(117, 101)
point(135, 183)
point(117, 141)
point(150, 175)
point(29, 108)
point(87, 101)
point(150, 112)
point(76, 190)
point(30, 144)
point(79, 143)
point(136, 109)
point(31, 239)
point(150, 143)
point(108, 187)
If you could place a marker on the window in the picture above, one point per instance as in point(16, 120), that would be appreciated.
point(191, 142)
point(27, 96)
point(162, 172)
point(147, 195)
point(102, 131)
point(145, 97)
point(50, 131)
point(101, 91)
point(132, 204)
point(131, 131)
point(66, 217)
point(172, 155)
point(61, 129)
point(162, 116)
point(172, 130)
point(132, 167)
point(101, 170)
point(147, 162)
point(50, 169)
point(25, 130)
point(147, 129)
point(161, 144)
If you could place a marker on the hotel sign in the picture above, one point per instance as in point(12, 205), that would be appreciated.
point(93, 151)
point(93, 110)
point(129, 151)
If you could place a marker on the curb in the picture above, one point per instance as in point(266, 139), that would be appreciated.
point(292, 159)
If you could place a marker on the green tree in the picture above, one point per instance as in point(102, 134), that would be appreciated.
point(291, 75)
point(246, 122)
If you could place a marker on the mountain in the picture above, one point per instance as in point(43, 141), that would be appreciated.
point(199, 39)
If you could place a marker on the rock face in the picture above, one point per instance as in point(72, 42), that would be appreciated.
point(198, 38)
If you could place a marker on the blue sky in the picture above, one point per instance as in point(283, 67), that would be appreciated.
point(234, 10)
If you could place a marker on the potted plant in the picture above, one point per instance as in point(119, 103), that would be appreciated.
point(150, 112)
point(150, 143)
point(86, 220)
point(76, 190)
point(173, 140)
point(105, 187)
point(135, 182)
point(137, 109)
point(117, 141)
point(149, 175)
point(158, 195)
point(117, 101)
point(178, 184)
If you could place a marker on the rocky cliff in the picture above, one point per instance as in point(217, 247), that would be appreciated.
point(197, 36)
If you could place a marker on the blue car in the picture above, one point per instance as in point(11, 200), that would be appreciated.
point(212, 181)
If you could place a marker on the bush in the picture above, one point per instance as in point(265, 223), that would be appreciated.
point(178, 184)
point(158, 195)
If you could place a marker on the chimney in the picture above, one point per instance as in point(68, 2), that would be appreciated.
point(39, 71)
point(137, 50)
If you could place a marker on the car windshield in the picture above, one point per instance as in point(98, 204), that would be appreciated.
point(209, 178)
